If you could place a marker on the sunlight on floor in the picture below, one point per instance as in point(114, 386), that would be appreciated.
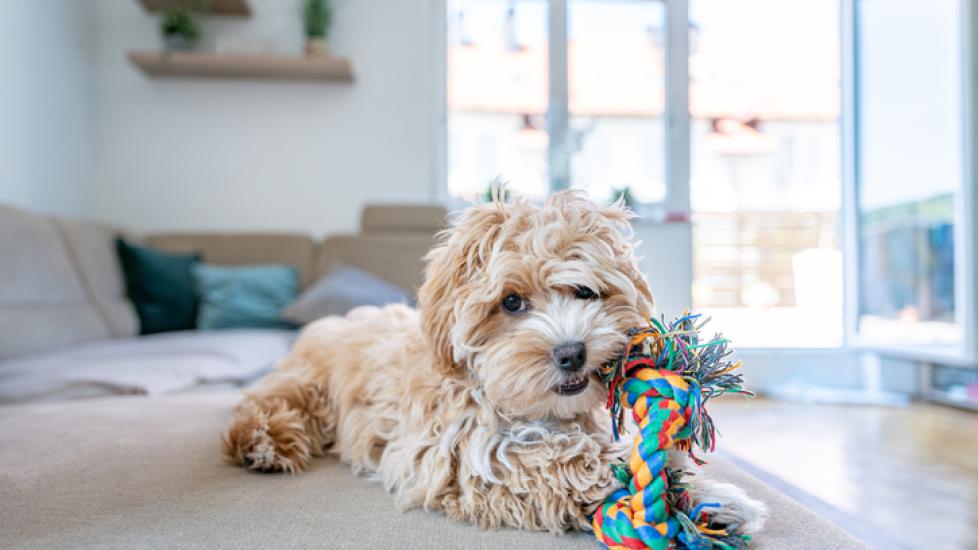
point(911, 472)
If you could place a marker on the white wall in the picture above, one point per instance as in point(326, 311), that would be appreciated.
point(47, 106)
point(666, 259)
point(238, 155)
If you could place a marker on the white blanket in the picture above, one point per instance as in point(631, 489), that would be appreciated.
point(153, 365)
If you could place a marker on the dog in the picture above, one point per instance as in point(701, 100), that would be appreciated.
point(485, 402)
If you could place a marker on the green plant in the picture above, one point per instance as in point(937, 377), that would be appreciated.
point(317, 15)
point(177, 21)
point(625, 195)
point(497, 189)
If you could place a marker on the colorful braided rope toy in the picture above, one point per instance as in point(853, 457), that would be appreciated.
point(666, 377)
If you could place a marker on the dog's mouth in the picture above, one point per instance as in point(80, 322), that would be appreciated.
point(573, 386)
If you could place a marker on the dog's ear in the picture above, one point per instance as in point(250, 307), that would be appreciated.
point(461, 252)
point(619, 217)
point(628, 264)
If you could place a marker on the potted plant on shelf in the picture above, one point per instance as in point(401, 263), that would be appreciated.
point(317, 16)
point(179, 28)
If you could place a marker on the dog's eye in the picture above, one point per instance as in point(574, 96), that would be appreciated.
point(514, 303)
point(585, 293)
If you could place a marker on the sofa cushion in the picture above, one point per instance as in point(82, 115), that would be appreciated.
point(43, 304)
point(341, 290)
point(251, 296)
point(161, 287)
point(243, 249)
point(400, 218)
point(146, 473)
point(91, 247)
point(153, 365)
point(395, 258)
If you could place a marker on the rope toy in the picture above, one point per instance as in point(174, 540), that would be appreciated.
point(665, 377)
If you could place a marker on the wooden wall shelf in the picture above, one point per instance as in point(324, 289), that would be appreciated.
point(239, 8)
point(240, 66)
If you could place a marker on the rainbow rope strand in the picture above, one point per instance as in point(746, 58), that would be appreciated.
point(666, 377)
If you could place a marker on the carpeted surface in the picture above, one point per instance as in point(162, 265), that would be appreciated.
point(145, 473)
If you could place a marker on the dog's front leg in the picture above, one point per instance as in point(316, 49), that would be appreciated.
point(280, 425)
point(546, 481)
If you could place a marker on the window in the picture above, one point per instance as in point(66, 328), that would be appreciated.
point(589, 94)
point(497, 96)
point(616, 69)
point(765, 187)
point(549, 103)
point(909, 169)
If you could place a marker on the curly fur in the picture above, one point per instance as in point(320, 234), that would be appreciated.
point(453, 407)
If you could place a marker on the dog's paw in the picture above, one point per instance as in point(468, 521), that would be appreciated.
point(735, 510)
point(268, 443)
point(263, 455)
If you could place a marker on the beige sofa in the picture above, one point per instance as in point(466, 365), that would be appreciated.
point(137, 472)
point(67, 329)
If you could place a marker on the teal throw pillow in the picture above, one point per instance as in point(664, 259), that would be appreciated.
point(160, 287)
point(250, 296)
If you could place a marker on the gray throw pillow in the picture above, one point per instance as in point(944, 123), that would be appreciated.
point(340, 290)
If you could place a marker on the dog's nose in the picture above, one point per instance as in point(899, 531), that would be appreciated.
point(570, 357)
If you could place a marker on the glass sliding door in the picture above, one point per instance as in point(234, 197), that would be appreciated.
point(766, 175)
point(909, 128)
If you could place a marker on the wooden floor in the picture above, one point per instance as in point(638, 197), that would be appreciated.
point(909, 474)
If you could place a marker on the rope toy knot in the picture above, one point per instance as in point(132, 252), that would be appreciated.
point(665, 378)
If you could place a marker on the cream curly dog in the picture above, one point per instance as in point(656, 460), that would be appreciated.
point(483, 404)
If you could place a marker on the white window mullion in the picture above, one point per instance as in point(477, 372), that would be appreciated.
point(848, 227)
point(439, 104)
point(677, 107)
point(558, 116)
point(966, 250)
